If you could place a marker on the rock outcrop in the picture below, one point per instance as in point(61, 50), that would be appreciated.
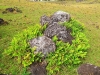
point(38, 68)
point(44, 44)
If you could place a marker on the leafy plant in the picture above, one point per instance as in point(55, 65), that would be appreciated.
point(20, 48)
point(68, 54)
point(65, 53)
point(24, 71)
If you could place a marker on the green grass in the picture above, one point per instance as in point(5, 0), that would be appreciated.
point(31, 11)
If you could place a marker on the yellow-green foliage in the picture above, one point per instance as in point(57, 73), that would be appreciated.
point(65, 53)
point(68, 54)
point(86, 12)
point(19, 46)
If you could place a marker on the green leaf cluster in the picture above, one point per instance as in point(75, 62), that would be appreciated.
point(19, 46)
point(65, 53)
point(68, 54)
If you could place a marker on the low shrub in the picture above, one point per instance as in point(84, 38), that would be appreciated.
point(65, 53)
point(19, 46)
point(68, 54)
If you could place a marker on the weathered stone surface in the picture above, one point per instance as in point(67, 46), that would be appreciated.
point(58, 30)
point(38, 68)
point(60, 16)
point(43, 44)
point(88, 69)
point(44, 19)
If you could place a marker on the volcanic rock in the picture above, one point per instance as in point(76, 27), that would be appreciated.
point(38, 68)
point(43, 44)
point(58, 30)
point(88, 69)
point(44, 20)
point(60, 16)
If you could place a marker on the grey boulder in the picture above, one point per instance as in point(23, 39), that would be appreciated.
point(88, 69)
point(60, 16)
point(58, 30)
point(38, 68)
point(43, 44)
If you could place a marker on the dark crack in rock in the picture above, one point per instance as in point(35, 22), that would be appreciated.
point(43, 44)
point(88, 69)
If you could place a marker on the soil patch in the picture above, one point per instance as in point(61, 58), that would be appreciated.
point(12, 10)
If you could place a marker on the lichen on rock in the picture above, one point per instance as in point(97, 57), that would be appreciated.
point(43, 44)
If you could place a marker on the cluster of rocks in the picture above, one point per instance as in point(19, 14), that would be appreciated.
point(12, 10)
point(55, 28)
point(88, 69)
point(59, 16)
point(44, 44)
point(3, 22)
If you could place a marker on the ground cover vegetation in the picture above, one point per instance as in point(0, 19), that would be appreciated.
point(86, 13)
point(64, 54)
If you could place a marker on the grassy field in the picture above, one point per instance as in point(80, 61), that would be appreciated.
point(87, 12)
